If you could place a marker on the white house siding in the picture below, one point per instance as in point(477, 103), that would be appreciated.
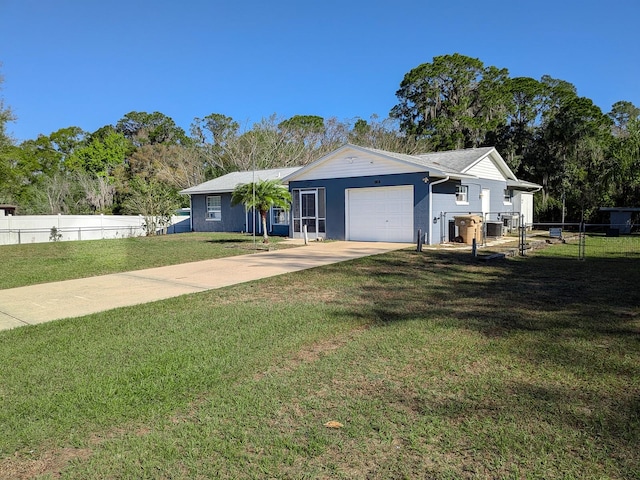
point(485, 168)
point(353, 163)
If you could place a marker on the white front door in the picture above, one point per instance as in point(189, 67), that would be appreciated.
point(486, 204)
point(379, 214)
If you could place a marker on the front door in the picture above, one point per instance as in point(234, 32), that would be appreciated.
point(308, 208)
point(308, 211)
point(486, 204)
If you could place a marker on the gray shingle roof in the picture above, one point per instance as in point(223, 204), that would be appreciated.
point(456, 160)
point(451, 162)
point(228, 182)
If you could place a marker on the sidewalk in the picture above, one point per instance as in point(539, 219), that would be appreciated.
point(74, 298)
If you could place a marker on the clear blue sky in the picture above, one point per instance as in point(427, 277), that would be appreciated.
point(88, 62)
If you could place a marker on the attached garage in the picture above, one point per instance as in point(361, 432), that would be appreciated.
point(379, 214)
point(366, 194)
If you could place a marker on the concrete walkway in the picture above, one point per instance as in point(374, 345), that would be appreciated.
point(73, 298)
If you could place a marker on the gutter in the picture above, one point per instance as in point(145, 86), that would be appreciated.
point(431, 184)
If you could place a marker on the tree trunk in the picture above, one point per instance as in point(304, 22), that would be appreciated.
point(265, 237)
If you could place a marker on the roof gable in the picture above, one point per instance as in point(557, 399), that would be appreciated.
point(483, 162)
point(486, 168)
point(497, 164)
point(355, 161)
point(351, 161)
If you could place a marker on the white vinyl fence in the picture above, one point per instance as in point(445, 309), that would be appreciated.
point(46, 228)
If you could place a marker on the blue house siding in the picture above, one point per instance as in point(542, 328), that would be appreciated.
point(497, 198)
point(278, 230)
point(444, 200)
point(445, 207)
point(233, 218)
point(335, 197)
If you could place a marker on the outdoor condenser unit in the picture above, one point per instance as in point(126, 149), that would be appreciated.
point(511, 222)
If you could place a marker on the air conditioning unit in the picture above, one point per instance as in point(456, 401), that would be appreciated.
point(494, 229)
point(511, 222)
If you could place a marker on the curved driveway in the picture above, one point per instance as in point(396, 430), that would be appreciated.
point(73, 298)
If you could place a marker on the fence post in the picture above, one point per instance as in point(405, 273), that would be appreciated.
point(419, 246)
point(522, 242)
point(582, 241)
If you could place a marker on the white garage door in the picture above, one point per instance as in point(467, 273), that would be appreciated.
point(380, 214)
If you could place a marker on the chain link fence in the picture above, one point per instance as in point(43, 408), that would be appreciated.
point(581, 241)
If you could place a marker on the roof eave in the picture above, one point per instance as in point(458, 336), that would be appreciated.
point(522, 185)
point(202, 192)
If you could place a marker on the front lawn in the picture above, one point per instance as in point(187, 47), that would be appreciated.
point(437, 366)
point(33, 263)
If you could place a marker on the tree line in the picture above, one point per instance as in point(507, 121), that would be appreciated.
point(547, 133)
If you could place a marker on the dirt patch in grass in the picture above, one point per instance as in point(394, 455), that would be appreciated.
point(26, 465)
point(312, 353)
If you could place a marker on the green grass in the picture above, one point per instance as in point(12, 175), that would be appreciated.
point(596, 246)
point(55, 261)
point(437, 366)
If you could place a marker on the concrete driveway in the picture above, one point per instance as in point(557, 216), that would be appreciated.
point(73, 298)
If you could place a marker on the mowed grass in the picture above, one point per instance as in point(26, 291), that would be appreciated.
point(437, 366)
point(28, 264)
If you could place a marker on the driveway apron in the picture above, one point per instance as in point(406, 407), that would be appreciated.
point(73, 298)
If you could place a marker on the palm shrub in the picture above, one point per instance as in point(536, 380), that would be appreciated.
point(261, 196)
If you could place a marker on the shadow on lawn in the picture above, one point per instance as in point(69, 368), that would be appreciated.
point(572, 310)
point(575, 324)
point(231, 241)
point(532, 294)
point(249, 240)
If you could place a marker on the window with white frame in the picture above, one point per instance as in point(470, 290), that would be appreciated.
point(462, 193)
point(508, 196)
point(280, 216)
point(214, 208)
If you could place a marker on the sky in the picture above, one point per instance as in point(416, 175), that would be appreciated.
point(87, 63)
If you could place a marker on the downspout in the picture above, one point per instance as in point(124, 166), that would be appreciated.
point(431, 184)
point(191, 213)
